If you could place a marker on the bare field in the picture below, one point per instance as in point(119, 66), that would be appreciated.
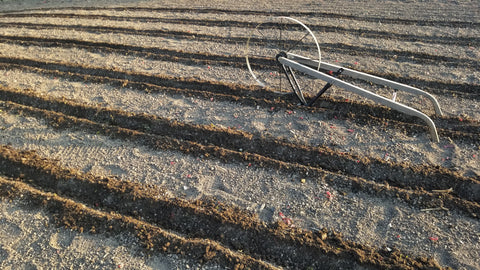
point(132, 136)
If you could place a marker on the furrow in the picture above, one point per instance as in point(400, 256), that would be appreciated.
point(190, 58)
point(419, 22)
point(462, 41)
point(78, 216)
point(200, 37)
point(223, 144)
point(456, 128)
point(140, 121)
point(70, 196)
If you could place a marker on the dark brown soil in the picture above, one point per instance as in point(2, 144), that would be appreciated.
point(464, 130)
point(211, 230)
point(208, 230)
point(413, 182)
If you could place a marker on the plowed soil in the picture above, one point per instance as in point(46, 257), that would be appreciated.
point(133, 136)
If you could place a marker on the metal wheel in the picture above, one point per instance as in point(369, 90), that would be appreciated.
point(278, 36)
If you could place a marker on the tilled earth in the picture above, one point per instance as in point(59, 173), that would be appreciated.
point(140, 119)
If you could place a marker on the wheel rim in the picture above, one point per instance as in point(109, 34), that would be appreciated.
point(280, 35)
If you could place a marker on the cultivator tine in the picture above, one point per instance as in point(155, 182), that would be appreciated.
point(294, 83)
point(325, 88)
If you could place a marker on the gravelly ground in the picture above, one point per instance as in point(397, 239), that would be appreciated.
point(360, 217)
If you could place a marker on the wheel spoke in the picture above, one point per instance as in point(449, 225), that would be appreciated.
point(258, 30)
point(298, 41)
point(280, 45)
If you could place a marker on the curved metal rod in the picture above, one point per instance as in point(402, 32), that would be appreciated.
point(362, 92)
point(312, 35)
point(309, 32)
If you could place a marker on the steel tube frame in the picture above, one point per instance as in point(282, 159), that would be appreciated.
point(367, 77)
point(362, 92)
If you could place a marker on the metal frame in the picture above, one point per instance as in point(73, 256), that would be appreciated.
point(302, 64)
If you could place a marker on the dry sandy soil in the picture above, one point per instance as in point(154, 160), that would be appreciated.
point(132, 136)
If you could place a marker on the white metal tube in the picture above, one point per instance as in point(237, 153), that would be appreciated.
point(362, 92)
point(367, 77)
